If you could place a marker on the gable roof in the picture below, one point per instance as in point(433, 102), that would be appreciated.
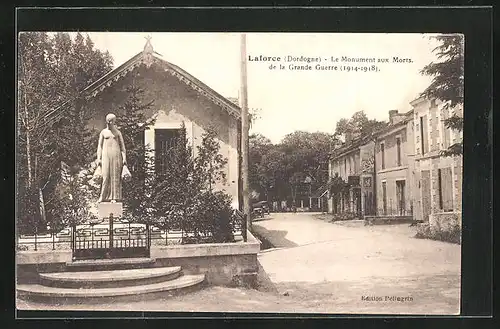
point(149, 57)
point(356, 143)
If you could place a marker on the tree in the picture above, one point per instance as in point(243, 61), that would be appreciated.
point(308, 153)
point(448, 82)
point(359, 126)
point(209, 163)
point(273, 171)
point(296, 181)
point(70, 204)
point(259, 145)
point(48, 76)
point(273, 166)
point(133, 125)
point(184, 197)
point(175, 189)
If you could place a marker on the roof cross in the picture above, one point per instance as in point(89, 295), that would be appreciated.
point(148, 48)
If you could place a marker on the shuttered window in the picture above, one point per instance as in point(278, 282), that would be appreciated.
point(424, 141)
point(398, 146)
point(382, 155)
point(445, 185)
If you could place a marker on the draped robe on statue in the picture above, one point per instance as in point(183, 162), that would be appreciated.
point(109, 151)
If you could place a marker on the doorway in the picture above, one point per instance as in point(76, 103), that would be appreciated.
point(400, 196)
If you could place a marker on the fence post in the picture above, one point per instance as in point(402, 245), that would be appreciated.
point(36, 233)
point(110, 231)
point(53, 241)
point(92, 234)
point(73, 238)
point(244, 228)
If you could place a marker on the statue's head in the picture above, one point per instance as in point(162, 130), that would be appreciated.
point(110, 119)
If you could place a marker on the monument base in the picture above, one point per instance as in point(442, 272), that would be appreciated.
point(105, 209)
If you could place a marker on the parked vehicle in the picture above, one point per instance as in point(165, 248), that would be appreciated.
point(259, 209)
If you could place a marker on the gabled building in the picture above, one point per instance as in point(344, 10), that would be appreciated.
point(179, 99)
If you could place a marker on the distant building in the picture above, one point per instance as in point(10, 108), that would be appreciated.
point(400, 170)
point(346, 162)
point(376, 171)
point(438, 179)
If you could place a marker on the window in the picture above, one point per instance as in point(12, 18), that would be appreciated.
point(382, 155)
point(398, 146)
point(445, 189)
point(423, 134)
point(446, 136)
point(345, 166)
point(384, 196)
point(165, 142)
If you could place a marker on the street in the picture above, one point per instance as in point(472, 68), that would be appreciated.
point(354, 267)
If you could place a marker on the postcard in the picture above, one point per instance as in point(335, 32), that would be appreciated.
point(240, 172)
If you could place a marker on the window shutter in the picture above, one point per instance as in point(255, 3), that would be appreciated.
point(447, 186)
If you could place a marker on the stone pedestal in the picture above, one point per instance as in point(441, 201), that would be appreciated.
point(105, 209)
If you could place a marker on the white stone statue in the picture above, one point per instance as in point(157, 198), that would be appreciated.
point(111, 156)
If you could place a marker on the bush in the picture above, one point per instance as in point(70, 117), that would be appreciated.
point(344, 216)
point(211, 218)
point(452, 234)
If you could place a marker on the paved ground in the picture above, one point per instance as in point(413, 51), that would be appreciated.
point(322, 267)
point(343, 262)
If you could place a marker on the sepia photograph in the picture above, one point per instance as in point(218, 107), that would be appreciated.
point(281, 173)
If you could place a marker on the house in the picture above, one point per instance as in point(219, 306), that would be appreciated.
point(179, 99)
point(438, 179)
point(351, 164)
point(394, 160)
point(375, 171)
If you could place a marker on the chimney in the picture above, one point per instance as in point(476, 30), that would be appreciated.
point(348, 137)
point(395, 117)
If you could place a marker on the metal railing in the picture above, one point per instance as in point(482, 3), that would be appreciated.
point(394, 208)
point(123, 235)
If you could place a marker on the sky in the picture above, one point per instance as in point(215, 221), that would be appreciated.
point(289, 100)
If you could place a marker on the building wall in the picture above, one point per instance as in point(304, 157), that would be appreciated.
point(174, 103)
point(430, 161)
point(394, 171)
point(346, 165)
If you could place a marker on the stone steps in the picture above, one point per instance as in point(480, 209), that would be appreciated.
point(109, 264)
point(56, 295)
point(109, 279)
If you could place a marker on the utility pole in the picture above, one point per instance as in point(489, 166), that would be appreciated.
point(244, 131)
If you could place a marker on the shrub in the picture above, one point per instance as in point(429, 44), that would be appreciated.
point(211, 218)
point(451, 234)
point(183, 196)
point(344, 216)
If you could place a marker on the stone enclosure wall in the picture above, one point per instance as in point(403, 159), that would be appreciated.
point(442, 226)
point(227, 264)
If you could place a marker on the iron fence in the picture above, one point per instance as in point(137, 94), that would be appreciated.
point(395, 208)
point(123, 235)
